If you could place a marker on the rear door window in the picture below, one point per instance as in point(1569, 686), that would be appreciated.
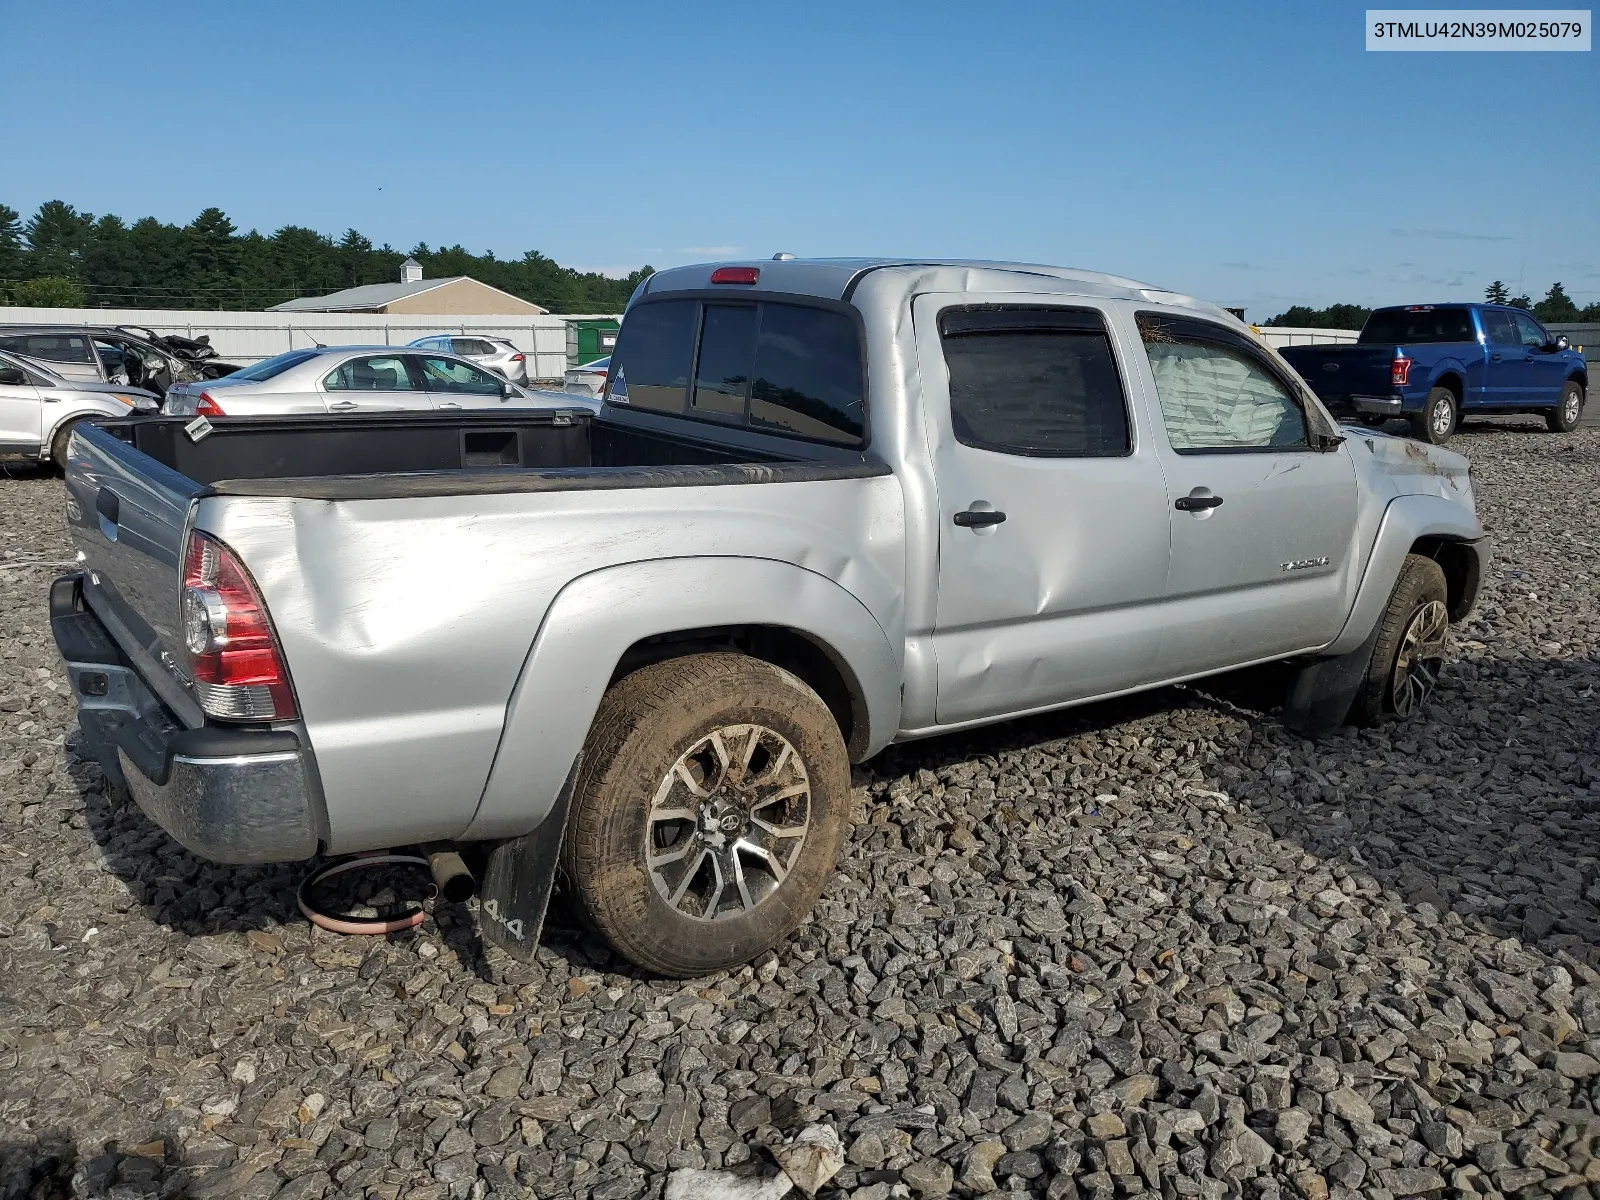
point(379, 373)
point(654, 354)
point(1034, 381)
point(52, 347)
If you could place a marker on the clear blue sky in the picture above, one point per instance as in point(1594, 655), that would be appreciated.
point(1253, 154)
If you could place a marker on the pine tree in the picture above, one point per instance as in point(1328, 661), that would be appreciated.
point(209, 264)
point(1556, 305)
point(1496, 293)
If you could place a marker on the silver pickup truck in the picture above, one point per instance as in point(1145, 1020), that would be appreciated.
point(826, 506)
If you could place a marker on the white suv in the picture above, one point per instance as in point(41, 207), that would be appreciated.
point(493, 354)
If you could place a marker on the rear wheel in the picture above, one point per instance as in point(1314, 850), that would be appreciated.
point(1437, 420)
point(1564, 417)
point(1413, 641)
point(58, 446)
point(709, 812)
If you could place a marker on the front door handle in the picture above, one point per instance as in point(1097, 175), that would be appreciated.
point(342, 406)
point(1196, 503)
point(978, 518)
point(1529, 358)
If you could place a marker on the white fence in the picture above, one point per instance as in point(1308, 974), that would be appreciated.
point(1280, 336)
point(247, 337)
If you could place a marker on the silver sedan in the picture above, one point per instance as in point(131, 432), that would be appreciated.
point(589, 379)
point(358, 379)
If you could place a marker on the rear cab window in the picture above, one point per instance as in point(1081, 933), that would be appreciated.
point(774, 366)
point(1418, 324)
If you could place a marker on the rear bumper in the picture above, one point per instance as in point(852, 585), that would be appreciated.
point(228, 795)
point(1391, 405)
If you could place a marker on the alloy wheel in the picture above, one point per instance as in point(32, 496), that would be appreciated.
point(728, 822)
point(1421, 657)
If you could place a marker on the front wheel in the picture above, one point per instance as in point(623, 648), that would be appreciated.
point(1437, 420)
point(1413, 641)
point(58, 446)
point(1564, 417)
point(709, 812)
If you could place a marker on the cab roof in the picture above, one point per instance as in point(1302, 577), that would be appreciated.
point(889, 279)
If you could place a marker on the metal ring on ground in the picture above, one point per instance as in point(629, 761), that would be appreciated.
point(333, 870)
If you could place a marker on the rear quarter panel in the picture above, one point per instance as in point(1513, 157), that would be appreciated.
point(406, 622)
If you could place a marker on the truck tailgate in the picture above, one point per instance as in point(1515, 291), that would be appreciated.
point(127, 514)
point(1348, 370)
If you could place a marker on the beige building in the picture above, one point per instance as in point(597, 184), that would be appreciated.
point(414, 294)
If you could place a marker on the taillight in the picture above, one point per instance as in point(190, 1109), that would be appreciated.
point(518, 358)
point(234, 659)
point(736, 275)
point(207, 407)
point(1399, 371)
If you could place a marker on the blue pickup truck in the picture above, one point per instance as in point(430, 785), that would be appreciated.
point(1431, 363)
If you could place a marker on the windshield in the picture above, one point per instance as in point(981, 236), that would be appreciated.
point(268, 368)
point(1400, 326)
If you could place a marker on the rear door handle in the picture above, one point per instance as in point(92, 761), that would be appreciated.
point(342, 406)
point(1494, 358)
point(1196, 503)
point(978, 518)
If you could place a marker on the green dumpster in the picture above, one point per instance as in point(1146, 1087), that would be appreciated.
point(594, 339)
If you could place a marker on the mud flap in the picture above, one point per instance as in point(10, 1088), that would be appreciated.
point(519, 877)
point(1321, 695)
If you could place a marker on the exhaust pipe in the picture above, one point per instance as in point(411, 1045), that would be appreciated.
point(450, 875)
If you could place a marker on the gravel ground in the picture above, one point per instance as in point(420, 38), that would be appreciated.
point(1162, 946)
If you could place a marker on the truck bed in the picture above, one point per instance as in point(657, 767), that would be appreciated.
point(410, 581)
point(457, 453)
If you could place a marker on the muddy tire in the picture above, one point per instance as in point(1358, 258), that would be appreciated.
point(1438, 418)
point(1564, 417)
point(709, 812)
point(58, 446)
point(1413, 639)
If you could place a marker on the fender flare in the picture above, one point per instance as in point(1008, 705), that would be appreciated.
point(597, 616)
point(84, 410)
point(1405, 520)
